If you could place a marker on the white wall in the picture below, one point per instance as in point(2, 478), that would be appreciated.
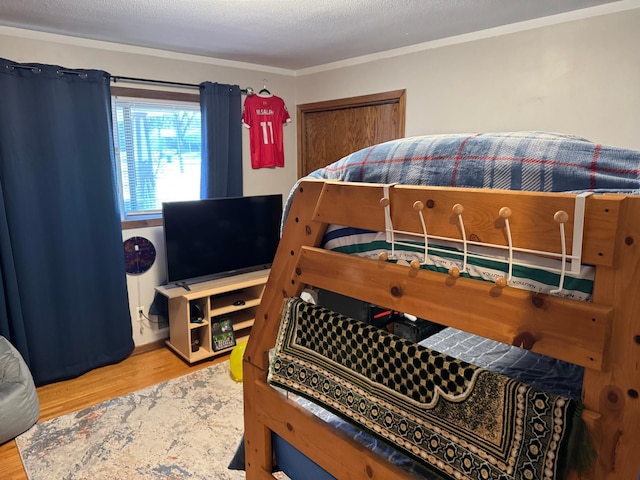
point(141, 288)
point(580, 77)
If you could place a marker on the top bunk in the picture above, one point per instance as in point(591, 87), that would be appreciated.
point(571, 203)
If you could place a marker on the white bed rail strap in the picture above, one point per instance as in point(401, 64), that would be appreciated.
point(578, 231)
point(388, 223)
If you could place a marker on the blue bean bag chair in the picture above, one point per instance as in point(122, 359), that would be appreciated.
point(19, 405)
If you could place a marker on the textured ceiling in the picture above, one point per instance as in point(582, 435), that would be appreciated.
point(289, 34)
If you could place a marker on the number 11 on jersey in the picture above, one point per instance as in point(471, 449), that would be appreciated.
point(267, 133)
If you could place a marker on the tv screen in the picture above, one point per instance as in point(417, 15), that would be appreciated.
point(212, 238)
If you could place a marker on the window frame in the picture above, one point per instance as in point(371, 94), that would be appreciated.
point(151, 220)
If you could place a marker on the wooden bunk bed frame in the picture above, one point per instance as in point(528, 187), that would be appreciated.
point(603, 335)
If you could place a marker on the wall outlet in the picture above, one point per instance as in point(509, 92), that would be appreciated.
point(140, 313)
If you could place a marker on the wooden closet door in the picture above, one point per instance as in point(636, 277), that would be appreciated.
point(327, 131)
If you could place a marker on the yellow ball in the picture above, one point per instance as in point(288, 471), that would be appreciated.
point(236, 361)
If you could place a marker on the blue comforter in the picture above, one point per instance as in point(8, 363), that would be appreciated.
point(530, 161)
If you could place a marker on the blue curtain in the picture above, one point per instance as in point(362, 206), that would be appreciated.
point(63, 292)
point(221, 113)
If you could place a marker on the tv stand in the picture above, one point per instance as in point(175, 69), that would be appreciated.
point(236, 298)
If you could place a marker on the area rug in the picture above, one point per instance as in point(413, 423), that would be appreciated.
point(185, 428)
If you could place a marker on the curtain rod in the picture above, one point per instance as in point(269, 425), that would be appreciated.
point(244, 91)
point(36, 69)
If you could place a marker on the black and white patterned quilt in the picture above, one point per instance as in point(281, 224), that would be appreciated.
point(464, 420)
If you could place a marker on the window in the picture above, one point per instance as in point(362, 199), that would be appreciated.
point(157, 149)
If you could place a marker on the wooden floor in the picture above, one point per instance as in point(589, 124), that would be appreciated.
point(134, 373)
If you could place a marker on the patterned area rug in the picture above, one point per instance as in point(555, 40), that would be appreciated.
point(188, 427)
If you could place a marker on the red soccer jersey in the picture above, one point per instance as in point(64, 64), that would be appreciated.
point(265, 117)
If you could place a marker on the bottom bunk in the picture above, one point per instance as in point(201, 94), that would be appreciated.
point(544, 373)
point(427, 403)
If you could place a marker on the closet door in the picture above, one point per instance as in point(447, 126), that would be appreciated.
point(327, 131)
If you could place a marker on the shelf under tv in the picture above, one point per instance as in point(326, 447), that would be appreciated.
point(217, 299)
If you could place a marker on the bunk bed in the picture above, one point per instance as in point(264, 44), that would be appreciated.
point(423, 216)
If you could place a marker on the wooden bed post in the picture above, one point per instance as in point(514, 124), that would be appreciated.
point(613, 392)
point(300, 229)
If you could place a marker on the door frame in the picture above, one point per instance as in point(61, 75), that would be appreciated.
point(383, 98)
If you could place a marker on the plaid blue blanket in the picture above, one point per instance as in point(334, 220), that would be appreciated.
point(533, 161)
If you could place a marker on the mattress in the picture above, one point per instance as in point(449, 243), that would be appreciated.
point(529, 272)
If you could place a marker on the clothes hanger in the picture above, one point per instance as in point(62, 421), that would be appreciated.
point(264, 91)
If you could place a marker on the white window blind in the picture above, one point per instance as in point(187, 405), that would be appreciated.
point(158, 153)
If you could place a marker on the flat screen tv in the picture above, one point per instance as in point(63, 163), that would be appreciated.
point(214, 238)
